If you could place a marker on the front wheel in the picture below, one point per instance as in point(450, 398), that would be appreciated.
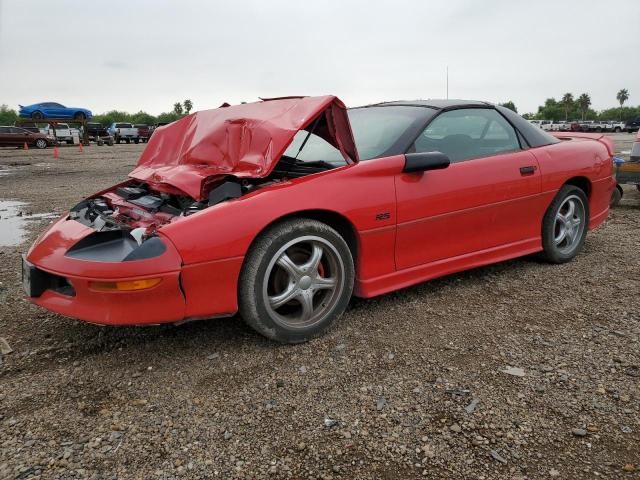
point(80, 117)
point(565, 224)
point(296, 281)
point(617, 130)
point(37, 115)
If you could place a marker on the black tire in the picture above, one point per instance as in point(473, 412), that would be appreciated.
point(616, 196)
point(617, 130)
point(555, 252)
point(117, 140)
point(37, 116)
point(40, 143)
point(260, 271)
point(136, 141)
point(69, 142)
point(128, 140)
point(80, 117)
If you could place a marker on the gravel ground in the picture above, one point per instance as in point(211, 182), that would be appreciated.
point(513, 371)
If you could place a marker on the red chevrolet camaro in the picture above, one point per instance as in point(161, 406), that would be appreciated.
point(283, 209)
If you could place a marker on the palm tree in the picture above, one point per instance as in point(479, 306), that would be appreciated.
point(567, 103)
point(622, 96)
point(584, 102)
point(188, 105)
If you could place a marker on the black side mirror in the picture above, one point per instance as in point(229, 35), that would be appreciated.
point(420, 162)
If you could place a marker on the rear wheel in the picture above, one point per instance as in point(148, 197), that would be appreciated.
point(136, 140)
point(565, 224)
point(128, 141)
point(296, 281)
point(617, 130)
point(37, 115)
point(117, 140)
point(41, 143)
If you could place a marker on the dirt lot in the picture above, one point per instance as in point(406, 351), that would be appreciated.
point(410, 384)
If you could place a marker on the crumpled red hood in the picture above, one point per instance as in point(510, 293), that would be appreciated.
point(243, 140)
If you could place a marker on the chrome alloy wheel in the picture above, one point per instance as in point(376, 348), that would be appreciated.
point(303, 282)
point(569, 224)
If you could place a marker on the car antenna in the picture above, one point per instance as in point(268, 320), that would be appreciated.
point(304, 142)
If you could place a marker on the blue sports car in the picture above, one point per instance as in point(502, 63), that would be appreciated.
point(51, 110)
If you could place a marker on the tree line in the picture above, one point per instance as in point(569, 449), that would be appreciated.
point(569, 107)
point(572, 107)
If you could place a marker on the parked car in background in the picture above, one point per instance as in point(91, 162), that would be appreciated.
point(158, 125)
point(319, 205)
point(61, 132)
point(11, 136)
point(123, 131)
point(632, 125)
point(144, 131)
point(574, 126)
point(561, 126)
point(546, 125)
point(586, 125)
point(50, 110)
point(543, 124)
point(30, 126)
point(616, 126)
point(98, 133)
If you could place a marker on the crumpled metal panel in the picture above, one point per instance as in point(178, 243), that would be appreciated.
point(244, 140)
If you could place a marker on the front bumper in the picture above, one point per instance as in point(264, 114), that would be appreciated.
point(63, 284)
point(60, 283)
point(76, 299)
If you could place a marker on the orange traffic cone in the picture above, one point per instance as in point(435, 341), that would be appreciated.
point(25, 147)
point(80, 147)
point(55, 152)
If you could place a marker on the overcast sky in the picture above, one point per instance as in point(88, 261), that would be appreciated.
point(147, 54)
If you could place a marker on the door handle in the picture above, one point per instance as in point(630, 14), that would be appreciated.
point(528, 170)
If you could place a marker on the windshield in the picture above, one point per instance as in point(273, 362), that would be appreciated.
point(315, 149)
point(386, 130)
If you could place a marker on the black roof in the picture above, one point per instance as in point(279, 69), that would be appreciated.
point(437, 104)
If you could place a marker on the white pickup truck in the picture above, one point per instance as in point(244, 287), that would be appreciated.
point(124, 131)
point(63, 132)
point(543, 124)
point(616, 126)
point(561, 126)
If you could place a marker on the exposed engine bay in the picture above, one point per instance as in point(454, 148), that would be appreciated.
point(140, 209)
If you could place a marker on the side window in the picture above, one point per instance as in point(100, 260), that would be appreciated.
point(5, 130)
point(468, 133)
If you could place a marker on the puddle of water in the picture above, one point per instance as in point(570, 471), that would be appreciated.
point(13, 222)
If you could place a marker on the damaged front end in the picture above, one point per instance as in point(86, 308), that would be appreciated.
point(126, 219)
point(113, 242)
